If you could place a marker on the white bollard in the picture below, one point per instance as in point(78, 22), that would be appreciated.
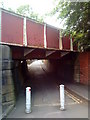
point(62, 100)
point(28, 99)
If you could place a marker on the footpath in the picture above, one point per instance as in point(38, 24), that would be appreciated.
point(79, 90)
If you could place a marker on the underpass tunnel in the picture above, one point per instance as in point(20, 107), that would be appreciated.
point(36, 70)
point(44, 73)
point(43, 76)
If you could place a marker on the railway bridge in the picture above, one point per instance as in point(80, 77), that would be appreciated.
point(30, 39)
point(22, 38)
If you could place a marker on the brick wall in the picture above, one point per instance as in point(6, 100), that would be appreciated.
point(73, 67)
point(84, 59)
point(77, 69)
point(89, 68)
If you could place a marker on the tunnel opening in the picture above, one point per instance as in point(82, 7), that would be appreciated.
point(41, 77)
point(44, 77)
point(43, 82)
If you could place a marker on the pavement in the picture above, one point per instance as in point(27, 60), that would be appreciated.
point(39, 110)
point(78, 89)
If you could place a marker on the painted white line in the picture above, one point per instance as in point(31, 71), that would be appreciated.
point(53, 105)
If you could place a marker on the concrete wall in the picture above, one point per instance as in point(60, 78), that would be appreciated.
point(10, 80)
point(0, 83)
point(7, 86)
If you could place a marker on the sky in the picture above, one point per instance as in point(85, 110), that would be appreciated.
point(41, 7)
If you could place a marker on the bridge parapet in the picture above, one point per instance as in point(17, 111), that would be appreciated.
point(21, 31)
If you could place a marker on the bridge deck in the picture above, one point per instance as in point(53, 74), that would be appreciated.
point(30, 35)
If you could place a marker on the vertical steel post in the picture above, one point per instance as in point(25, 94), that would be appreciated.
point(62, 100)
point(71, 44)
point(24, 33)
point(28, 99)
point(45, 41)
point(60, 40)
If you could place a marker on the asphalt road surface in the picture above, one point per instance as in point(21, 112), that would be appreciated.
point(45, 98)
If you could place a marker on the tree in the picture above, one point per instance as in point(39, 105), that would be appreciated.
point(26, 10)
point(77, 21)
point(10, 9)
point(2, 4)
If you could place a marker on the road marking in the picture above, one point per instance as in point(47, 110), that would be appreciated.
point(52, 105)
point(41, 105)
point(73, 97)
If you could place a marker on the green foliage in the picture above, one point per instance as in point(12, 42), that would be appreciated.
point(77, 21)
point(26, 10)
point(10, 9)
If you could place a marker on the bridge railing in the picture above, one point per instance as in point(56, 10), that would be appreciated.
point(21, 31)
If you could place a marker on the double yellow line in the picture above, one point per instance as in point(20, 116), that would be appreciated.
point(74, 98)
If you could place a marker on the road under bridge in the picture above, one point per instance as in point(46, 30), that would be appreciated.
point(23, 39)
